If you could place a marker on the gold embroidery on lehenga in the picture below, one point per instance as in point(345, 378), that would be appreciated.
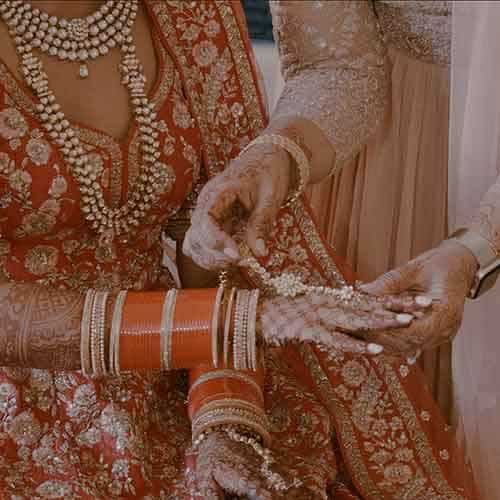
point(372, 403)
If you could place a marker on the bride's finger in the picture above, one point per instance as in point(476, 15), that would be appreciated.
point(395, 342)
point(206, 256)
point(406, 303)
point(246, 481)
point(360, 321)
point(336, 340)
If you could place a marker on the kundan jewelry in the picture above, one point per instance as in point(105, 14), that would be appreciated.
point(28, 29)
point(75, 40)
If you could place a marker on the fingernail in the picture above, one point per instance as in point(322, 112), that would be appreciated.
point(232, 254)
point(260, 246)
point(423, 301)
point(374, 348)
point(404, 319)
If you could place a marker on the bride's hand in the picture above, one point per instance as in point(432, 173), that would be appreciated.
point(335, 325)
point(225, 467)
point(250, 191)
point(444, 275)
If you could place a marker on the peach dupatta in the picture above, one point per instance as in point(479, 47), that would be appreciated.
point(474, 167)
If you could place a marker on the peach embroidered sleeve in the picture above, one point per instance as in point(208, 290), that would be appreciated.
point(334, 65)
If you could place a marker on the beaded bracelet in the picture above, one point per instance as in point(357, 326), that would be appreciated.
point(241, 434)
point(85, 354)
point(240, 345)
point(97, 332)
point(295, 151)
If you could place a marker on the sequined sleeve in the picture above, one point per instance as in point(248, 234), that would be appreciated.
point(334, 65)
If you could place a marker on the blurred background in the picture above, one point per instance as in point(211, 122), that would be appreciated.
point(261, 32)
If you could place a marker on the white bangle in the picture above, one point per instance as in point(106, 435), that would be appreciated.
point(215, 326)
point(114, 339)
point(167, 319)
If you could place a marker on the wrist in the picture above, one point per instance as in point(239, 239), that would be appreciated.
point(298, 163)
point(480, 247)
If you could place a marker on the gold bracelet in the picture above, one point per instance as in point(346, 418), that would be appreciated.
point(98, 331)
point(227, 326)
point(166, 325)
point(215, 326)
point(230, 411)
point(85, 355)
point(252, 330)
point(114, 339)
point(295, 151)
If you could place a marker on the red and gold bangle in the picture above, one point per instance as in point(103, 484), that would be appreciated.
point(140, 345)
point(224, 384)
point(192, 327)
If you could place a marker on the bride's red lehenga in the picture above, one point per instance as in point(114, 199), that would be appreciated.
point(348, 427)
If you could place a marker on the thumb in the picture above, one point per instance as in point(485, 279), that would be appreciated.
point(391, 283)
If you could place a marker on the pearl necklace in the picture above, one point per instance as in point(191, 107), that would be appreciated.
point(155, 177)
point(78, 39)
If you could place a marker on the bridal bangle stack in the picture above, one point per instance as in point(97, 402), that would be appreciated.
point(168, 330)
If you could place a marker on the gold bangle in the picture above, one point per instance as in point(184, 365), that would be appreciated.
point(166, 326)
point(231, 411)
point(215, 326)
point(227, 326)
point(252, 330)
point(295, 151)
point(114, 340)
point(85, 355)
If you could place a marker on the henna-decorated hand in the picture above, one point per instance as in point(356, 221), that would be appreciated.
point(445, 275)
point(326, 321)
point(248, 196)
point(225, 467)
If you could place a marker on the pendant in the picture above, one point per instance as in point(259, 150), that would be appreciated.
point(106, 250)
point(84, 70)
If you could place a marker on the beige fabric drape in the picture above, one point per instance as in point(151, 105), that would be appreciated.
point(474, 167)
point(390, 204)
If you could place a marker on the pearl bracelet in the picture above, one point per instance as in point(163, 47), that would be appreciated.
point(241, 434)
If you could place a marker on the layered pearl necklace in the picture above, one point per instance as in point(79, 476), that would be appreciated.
point(78, 39)
point(155, 178)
